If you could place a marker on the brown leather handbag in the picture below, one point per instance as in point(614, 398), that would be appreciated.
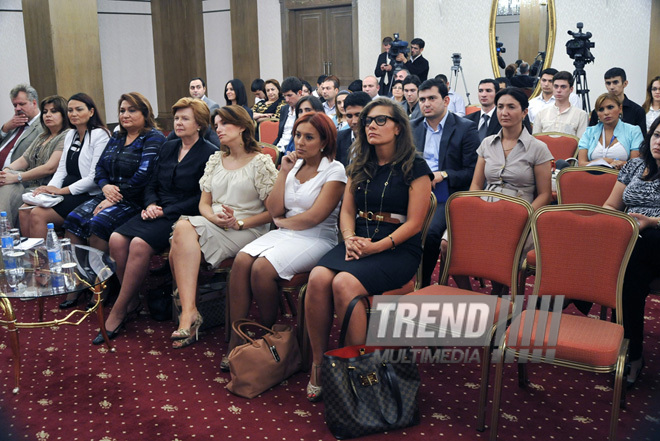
point(260, 364)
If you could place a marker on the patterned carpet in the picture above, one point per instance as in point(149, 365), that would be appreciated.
point(71, 390)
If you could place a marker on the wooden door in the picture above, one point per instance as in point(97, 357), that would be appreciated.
point(324, 44)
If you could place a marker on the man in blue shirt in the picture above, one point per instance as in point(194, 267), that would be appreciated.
point(449, 144)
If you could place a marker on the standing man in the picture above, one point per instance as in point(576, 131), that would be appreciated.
point(18, 133)
point(292, 92)
point(370, 86)
point(615, 81)
point(449, 146)
point(562, 117)
point(329, 90)
point(417, 64)
point(198, 90)
point(411, 94)
point(383, 68)
point(353, 105)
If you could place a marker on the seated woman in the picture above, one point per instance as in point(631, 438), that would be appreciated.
point(235, 94)
point(39, 162)
point(397, 92)
point(270, 107)
point(122, 173)
point(512, 162)
point(236, 182)
point(304, 205)
point(388, 178)
point(638, 193)
point(173, 190)
point(306, 89)
point(340, 117)
point(74, 178)
point(652, 104)
point(611, 140)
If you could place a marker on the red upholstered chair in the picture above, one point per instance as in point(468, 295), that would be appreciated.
point(561, 145)
point(271, 150)
point(487, 232)
point(566, 267)
point(472, 109)
point(576, 185)
point(268, 131)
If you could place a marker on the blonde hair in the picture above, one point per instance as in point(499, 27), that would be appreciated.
point(200, 111)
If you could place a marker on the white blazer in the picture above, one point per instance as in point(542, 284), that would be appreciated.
point(95, 142)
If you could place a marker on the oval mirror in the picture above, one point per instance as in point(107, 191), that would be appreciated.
point(522, 30)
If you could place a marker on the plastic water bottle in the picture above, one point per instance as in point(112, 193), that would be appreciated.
point(54, 260)
point(8, 258)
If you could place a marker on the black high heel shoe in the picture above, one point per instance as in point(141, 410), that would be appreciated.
point(111, 334)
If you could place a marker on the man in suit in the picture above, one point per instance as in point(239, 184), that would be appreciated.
point(353, 105)
point(411, 94)
point(449, 144)
point(417, 64)
point(18, 133)
point(292, 92)
point(523, 80)
point(198, 90)
point(486, 119)
point(383, 69)
point(370, 86)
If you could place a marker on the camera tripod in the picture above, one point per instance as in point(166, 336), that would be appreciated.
point(581, 86)
point(453, 77)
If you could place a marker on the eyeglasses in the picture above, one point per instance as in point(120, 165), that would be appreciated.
point(380, 120)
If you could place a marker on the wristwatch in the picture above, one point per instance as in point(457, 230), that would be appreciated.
point(19, 177)
point(240, 224)
point(443, 174)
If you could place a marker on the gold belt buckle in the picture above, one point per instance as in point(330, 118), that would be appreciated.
point(370, 215)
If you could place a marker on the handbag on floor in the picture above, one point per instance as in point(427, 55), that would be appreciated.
point(260, 364)
point(364, 395)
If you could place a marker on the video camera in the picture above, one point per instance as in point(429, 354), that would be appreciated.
point(578, 48)
point(499, 47)
point(397, 47)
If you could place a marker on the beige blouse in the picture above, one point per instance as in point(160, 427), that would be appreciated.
point(40, 152)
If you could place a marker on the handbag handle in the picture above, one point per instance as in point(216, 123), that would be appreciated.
point(238, 325)
point(390, 376)
point(347, 317)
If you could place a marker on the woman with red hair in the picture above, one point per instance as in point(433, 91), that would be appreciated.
point(304, 204)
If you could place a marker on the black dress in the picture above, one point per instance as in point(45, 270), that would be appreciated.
point(71, 201)
point(393, 268)
point(174, 186)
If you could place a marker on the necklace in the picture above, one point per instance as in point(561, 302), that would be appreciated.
point(382, 197)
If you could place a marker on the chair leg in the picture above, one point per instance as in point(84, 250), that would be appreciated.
point(617, 400)
point(483, 392)
point(289, 300)
point(497, 396)
point(227, 319)
point(523, 379)
point(303, 337)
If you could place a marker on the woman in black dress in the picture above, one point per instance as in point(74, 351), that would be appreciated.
point(173, 190)
point(235, 94)
point(386, 178)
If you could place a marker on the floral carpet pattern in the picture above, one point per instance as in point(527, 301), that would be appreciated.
point(72, 390)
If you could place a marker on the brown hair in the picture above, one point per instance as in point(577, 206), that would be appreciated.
point(326, 129)
point(607, 96)
point(365, 161)
point(60, 106)
point(649, 96)
point(137, 100)
point(200, 111)
point(275, 83)
point(238, 116)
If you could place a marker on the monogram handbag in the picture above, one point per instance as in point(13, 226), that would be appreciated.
point(260, 364)
point(364, 395)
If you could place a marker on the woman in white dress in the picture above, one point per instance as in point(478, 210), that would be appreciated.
point(304, 205)
point(236, 182)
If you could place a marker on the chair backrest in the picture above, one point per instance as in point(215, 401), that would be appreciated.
point(487, 231)
point(471, 109)
point(425, 229)
point(582, 252)
point(561, 145)
point(268, 131)
point(585, 185)
point(271, 150)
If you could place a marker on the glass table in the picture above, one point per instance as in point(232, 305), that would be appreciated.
point(85, 269)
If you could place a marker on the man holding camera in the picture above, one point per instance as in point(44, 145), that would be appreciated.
point(417, 64)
